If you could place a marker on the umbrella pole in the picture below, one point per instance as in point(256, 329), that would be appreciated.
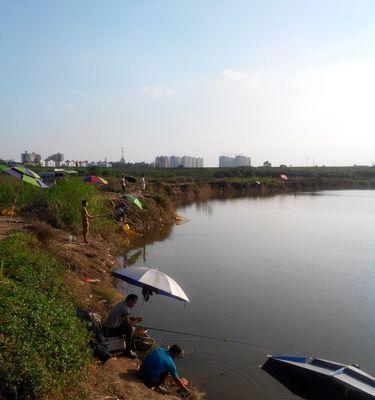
point(143, 303)
point(15, 201)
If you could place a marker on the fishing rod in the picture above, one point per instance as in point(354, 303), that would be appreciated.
point(136, 214)
point(129, 209)
point(218, 339)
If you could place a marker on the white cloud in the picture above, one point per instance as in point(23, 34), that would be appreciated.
point(240, 76)
point(158, 90)
point(79, 92)
point(69, 107)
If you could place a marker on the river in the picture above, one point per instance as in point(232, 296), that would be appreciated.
point(292, 273)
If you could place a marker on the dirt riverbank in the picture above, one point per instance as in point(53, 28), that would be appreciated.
point(178, 193)
point(88, 273)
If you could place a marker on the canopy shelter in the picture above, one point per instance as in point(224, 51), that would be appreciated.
point(24, 175)
point(151, 281)
point(94, 180)
point(317, 379)
point(134, 200)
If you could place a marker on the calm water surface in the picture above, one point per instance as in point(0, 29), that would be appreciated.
point(294, 273)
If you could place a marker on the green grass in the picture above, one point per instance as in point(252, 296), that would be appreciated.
point(186, 174)
point(43, 346)
point(59, 205)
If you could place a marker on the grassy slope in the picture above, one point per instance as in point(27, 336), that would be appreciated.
point(43, 346)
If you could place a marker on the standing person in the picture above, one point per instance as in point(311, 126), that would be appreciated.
point(143, 182)
point(86, 216)
point(123, 183)
point(158, 365)
point(120, 323)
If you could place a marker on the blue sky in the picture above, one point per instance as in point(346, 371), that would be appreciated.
point(279, 80)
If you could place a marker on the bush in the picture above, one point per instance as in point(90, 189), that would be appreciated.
point(43, 346)
point(59, 205)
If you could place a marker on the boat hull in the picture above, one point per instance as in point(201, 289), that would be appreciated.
point(317, 380)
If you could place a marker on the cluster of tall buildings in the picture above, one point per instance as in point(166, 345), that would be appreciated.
point(57, 160)
point(178, 162)
point(31, 158)
point(236, 161)
point(54, 160)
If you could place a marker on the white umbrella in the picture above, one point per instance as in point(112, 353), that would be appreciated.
point(152, 281)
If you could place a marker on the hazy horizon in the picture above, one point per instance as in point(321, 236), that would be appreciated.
point(275, 80)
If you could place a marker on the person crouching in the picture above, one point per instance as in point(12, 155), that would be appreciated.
point(158, 365)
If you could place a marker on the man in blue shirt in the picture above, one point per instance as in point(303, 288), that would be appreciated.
point(158, 365)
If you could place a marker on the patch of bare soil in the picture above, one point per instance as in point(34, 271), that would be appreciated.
point(7, 225)
point(117, 378)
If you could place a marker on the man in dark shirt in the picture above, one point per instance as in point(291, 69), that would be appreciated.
point(119, 322)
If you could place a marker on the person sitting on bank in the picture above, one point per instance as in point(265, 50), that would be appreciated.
point(120, 323)
point(158, 365)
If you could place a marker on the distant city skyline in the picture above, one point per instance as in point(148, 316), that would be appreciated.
point(224, 160)
point(280, 80)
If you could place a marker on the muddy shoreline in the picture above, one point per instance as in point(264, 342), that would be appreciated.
point(181, 194)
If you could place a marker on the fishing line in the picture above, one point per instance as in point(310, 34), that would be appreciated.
point(218, 339)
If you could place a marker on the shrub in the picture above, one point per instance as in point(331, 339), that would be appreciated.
point(59, 205)
point(43, 346)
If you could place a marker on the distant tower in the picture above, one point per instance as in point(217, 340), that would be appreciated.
point(122, 161)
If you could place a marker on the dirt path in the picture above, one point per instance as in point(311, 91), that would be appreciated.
point(7, 225)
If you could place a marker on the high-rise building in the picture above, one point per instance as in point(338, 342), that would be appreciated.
point(57, 157)
point(242, 161)
point(200, 162)
point(30, 158)
point(162, 162)
point(177, 162)
point(49, 163)
point(237, 161)
point(186, 161)
point(26, 157)
point(225, 161)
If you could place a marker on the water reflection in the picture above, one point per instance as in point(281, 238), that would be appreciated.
point(205, 207)
point(293, 273)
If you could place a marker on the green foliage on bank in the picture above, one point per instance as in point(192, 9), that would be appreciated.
point(43, 346)
point(59, 205)
point(183, 174)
